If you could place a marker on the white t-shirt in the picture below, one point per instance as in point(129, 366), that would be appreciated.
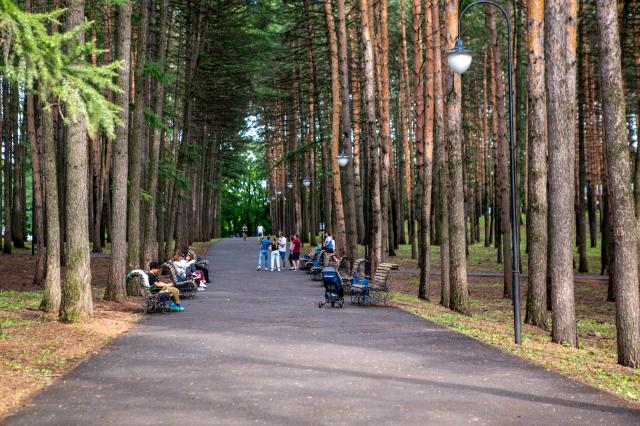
point(260, 229)
point(282, 244)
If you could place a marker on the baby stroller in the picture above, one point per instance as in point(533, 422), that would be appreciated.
point(333, 291)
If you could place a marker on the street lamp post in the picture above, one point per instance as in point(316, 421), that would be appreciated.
point(459, 59)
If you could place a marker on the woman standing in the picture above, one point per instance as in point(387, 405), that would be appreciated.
point(275, 255)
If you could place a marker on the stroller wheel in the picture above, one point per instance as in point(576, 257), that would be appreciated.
point(333, 304)
point(319, 304)
point(341, 304)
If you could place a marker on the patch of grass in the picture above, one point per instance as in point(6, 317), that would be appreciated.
point(594, 362)
point(17, 300)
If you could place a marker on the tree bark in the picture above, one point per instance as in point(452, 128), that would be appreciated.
point(458, 262)
point(372, 182)
point(561, 177)
point(340, 232)
point(537, 182)
point(115, 285)
point(76, 290)
point(138, 132)
point(348, 194)
point(624, 231)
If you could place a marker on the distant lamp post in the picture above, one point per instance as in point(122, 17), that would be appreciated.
point(459, 60)
point(278, 192)
point(289, 184)
point(306, 182)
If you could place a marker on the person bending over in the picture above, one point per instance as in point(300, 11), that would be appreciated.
point(155, 283)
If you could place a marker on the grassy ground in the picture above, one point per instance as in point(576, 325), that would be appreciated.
point(491, 319)
point(36, 349)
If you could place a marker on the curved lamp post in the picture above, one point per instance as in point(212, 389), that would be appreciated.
point(459, 60)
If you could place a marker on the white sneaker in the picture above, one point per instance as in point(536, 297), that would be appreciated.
point(201, 289)
point(278, 269)
point(203, 285)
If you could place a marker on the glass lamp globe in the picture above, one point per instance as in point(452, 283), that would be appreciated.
point(289, 184)
point(278, 192)
point(343, 160)
point(459, 58)
point(306, 182)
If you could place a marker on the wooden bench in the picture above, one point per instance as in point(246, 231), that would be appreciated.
point(348, 274)
point(150, 301)
point(376, 290)
point(188, 287)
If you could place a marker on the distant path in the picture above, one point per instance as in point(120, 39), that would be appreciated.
point(255, 348)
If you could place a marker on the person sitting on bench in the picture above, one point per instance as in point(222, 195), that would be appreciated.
point(154, 282)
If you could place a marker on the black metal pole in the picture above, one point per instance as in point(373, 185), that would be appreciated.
point(515, 228)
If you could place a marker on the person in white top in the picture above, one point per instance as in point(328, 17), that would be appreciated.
point(282, 247)
point(260, 231)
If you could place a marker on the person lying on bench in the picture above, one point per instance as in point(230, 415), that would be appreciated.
point(154, 282)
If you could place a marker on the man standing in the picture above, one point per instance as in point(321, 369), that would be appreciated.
point(264, 252)
point(295, 252)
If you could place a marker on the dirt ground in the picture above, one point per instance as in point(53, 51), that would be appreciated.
point(36, 349)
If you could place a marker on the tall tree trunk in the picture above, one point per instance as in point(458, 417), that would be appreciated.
point(418, 93)
point(372, 182)
point(138, 132)
point(537, 182)
point(502, 148)
point(115, 285)
point(339, 232)
point(439, 137)
point(457, 260)
point(581, 193)
point(7, 132)
point(561, 154)
point(150, 249)
point(625, 245)
point(348, 181)
point(76, 289)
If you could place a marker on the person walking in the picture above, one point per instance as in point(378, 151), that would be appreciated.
point(295, 252)
point(245, 229)
point(260, 231)
point(329, 244)
point(275, 255)
point(264, 252)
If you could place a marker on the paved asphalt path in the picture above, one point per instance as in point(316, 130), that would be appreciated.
point(255, 349)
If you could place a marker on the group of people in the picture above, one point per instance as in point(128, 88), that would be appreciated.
point(275, 249)
point(187, 266)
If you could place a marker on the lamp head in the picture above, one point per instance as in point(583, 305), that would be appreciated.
point(306, 182)
point(343, 160)
point(289, 184)
point(459, 58)
point(278, 192)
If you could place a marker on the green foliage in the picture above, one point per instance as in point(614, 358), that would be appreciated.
point(54, 67)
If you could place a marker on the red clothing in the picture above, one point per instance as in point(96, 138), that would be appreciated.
point(296, 245)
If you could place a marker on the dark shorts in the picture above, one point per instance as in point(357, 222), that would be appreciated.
point(329, 250)
point(282, 254)
point(295, 256)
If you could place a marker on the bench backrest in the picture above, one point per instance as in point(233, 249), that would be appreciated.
point(355, 268)
point(381, 276)
point(173, 272)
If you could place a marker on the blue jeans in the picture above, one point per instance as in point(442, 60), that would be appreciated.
point(264, 253)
